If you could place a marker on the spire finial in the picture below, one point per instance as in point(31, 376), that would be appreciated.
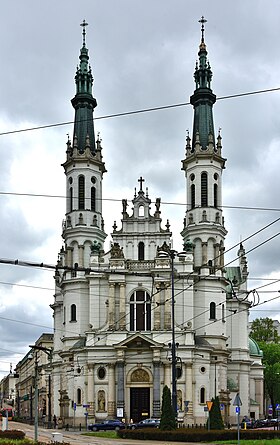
point(202, 21)
point(84, 24)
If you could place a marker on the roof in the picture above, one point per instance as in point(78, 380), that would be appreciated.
point(254, 348)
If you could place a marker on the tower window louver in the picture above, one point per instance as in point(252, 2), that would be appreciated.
point(192, 196)
point(93, 198)
point(81, 193)
point(204, 190)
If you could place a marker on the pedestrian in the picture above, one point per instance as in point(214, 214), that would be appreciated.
point(54, 421)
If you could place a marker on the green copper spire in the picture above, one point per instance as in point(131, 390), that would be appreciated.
point(83, 102)
point(203, 97)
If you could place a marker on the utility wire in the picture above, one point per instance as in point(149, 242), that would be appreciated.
point(143, 110)
point(36, 195)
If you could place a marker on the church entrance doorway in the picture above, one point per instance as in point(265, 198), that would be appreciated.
point(139, 404)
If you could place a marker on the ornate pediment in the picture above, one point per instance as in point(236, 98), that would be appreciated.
point(138, 341)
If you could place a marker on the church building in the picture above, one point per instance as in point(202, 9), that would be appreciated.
point(140, 316)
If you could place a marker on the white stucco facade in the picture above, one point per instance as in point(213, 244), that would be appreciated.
point(113, 310)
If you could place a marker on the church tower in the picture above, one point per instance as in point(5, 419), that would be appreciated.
point(203, 166)
point(82, 232)
point(204, 224)
point(83, 228)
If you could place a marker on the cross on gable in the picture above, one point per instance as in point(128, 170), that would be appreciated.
point(141, 180)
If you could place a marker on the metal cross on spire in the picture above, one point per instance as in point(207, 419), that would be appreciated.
point(84, 24)
point(202, 21)
point(141, 180)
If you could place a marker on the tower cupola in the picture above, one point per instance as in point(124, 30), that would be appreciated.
point(83, 102)
point(203, 97)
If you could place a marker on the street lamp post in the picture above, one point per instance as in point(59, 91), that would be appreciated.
point(173, 345)
point(172, 254)
point(215, 365)
point(48, 351)
point(36, 399)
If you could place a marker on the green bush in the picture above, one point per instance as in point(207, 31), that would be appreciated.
point(197, 435)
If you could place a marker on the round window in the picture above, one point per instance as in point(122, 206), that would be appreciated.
point(202, 369)
point(93, 179)
point(216, 176)
point(192, 177)
point(70, 180)
point(101, 373)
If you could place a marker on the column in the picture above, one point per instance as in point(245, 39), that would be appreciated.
point(81, 256)
point(167, 306)
point(204, 253)
point(222, 259)
point(167, 375)
point(216, 254)
point(156, 389)
point(189, 388)
point(111, 390)
point(120, 386)
point(122, 317)
point(90, 390)
point(69, 256)
point(157, 307)
point(112, 306)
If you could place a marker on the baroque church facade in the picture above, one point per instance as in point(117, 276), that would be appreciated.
point(119, 314)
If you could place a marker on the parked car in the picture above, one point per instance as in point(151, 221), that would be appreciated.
point(247, 423)
point(107, 425)
point(266, 423)
point(147, 423)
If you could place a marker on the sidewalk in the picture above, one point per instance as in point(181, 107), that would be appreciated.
point(77, 437)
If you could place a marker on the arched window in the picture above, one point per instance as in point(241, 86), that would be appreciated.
point(93, 198)
point(204, 190)
point(192, 196)
point(73, 313)
point(141, 211)
point(71, 199)
point(79, 396)
point(202, 395)
point(140, 311)
point(212, 310)
point(223, 312)
point(81, 193)
point(215, 195)
point(141, 251)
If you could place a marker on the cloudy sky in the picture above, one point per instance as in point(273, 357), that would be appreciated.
point(142, 55)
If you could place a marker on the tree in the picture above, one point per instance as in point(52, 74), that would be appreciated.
point(215, 416)
point(262, 329)
point(167, 420)
point(271, 362)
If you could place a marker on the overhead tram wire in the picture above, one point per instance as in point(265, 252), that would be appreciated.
point(178, 335)
point(133, 112)
point(40, 265)
point(38, 195)
point(85, 269)
point(42, 195)
point(153, 294)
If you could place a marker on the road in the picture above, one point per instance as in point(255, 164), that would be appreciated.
point(76, 438)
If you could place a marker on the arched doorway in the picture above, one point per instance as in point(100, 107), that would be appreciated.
point(139, 395)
